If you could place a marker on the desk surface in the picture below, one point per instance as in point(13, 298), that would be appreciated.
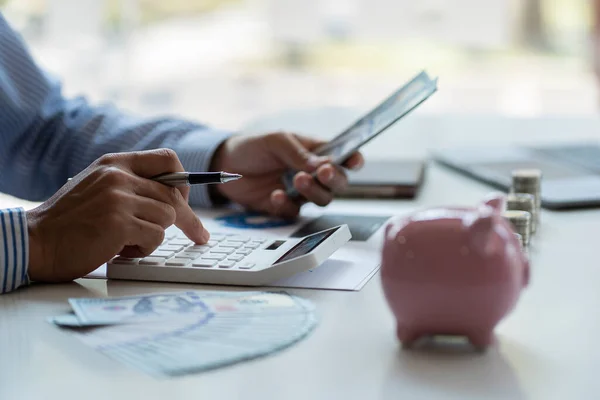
point(547, 346)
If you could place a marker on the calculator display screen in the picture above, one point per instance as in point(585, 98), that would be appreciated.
point(306, 245)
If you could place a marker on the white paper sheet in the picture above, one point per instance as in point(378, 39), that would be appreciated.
point(349, 268)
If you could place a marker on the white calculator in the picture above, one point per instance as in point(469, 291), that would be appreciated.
point(230, 259)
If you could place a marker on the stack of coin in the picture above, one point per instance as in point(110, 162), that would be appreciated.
point(522, 202)
point(521, 222)
point(529, 181)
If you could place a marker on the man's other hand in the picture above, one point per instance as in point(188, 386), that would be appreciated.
point(263, 159)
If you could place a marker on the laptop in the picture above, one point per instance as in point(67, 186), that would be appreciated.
point(571, 171)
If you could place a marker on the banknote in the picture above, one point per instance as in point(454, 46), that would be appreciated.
point(199, 304)
point(182, 346)
point(70, 320)
point(217, 329)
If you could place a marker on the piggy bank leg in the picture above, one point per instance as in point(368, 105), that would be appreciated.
point(481, 340)
point(407, 336)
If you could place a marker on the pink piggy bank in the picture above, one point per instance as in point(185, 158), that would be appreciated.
point(452, 271)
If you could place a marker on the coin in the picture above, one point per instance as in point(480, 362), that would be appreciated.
point(523, 202)
point(521, 223)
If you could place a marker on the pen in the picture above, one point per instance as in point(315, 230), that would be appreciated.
point(193, 178)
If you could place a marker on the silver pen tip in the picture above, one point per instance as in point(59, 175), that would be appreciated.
point(227, 177)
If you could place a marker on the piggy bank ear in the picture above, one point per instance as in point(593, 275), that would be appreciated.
point(495, 200)
point(482, 236)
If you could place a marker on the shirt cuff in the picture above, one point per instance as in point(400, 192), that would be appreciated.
point(14, 249)
point(195, 151)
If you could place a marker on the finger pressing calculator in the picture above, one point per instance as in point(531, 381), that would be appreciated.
point(230, 259)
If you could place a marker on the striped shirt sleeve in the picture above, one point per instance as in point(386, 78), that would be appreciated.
point(13, 249)
point(46, 138)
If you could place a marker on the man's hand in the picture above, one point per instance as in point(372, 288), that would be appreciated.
point(110, 208)
point(262, 161)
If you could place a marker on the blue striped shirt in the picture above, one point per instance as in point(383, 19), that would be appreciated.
point(46, 138)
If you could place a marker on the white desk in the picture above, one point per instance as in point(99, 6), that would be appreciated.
point(548, 346)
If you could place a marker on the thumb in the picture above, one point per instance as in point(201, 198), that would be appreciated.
point(294, 153)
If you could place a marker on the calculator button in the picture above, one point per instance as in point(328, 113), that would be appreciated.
point(161, 253)
point(246, 265)
point(259, 239)
point(212, 256)
point(152, 261)
point(252, 245)
point(181, 242)
point(212, 243)
point(170, 247)
point(178, 262)
point(204, 263)
point(124, 260)
point(233, 245)
point(199, 248)
point(235, 257)
point(222, 250)
point(187, 254)
point(243, 251)
point(217, 237)
point(236, 238)
point(171, 234)
point(226, 264)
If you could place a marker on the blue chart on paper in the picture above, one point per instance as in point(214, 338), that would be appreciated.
point(253, 220)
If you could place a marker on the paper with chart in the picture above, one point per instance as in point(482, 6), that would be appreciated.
point(192, 331)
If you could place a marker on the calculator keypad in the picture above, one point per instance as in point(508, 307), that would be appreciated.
point(227, 251)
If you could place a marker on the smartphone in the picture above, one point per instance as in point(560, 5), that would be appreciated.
point(384, 115)
point(386, 179)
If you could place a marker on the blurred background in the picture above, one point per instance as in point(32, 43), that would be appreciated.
point(227, 62)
